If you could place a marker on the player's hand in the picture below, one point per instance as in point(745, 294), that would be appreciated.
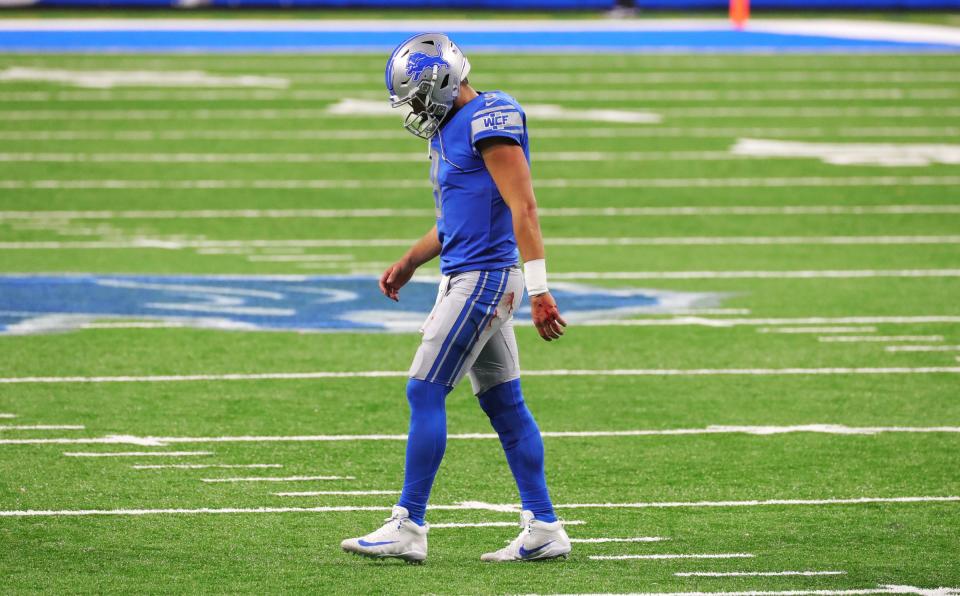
point(394, 278)
point(546, 316)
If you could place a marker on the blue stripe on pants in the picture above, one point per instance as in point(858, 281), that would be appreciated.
point(488, 315)
point(465, 338)
point(455, 329)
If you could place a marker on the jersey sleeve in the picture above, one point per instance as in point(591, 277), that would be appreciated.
point(503, 120)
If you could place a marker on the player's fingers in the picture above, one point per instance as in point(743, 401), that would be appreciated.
point(561, 320)
point(553, 330)
point(548, 332)
point(556, 328)
point(392, 274)
point(541, 330)
point(553, 322)
point(384, 279)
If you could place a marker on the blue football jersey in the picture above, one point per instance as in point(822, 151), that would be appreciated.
point(474, 223)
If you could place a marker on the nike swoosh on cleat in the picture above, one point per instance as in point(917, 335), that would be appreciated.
point(524, 553)
point(368, 544)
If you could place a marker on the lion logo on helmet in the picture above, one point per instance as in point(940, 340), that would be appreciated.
point(418, 63)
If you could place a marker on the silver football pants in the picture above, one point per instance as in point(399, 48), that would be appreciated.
point(470, 330)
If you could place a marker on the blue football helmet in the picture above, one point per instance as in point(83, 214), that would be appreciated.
point(423, 77)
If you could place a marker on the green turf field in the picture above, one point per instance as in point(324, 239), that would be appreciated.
point(263, 180)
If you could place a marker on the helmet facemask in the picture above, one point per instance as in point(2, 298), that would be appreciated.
point(423, 115)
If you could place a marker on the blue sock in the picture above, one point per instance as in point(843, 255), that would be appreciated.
point(426, 443)
point(522, 443)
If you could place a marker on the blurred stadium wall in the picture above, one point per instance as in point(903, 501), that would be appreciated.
point(559, 5)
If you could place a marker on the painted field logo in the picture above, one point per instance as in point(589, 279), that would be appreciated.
point(42, 303)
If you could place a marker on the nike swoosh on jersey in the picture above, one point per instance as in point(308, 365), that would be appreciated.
point(524, 553)
point(362, 542)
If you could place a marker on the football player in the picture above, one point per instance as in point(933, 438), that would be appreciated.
point(485, 211)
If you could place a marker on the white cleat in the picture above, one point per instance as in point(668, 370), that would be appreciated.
point(538, 541)
point(399, 538)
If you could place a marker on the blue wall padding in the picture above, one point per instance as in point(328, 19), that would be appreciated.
point(495, 4)
point(158, 40)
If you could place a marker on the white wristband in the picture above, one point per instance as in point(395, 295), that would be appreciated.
point(535, 274)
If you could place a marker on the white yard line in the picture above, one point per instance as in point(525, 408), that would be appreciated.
point(326, 75)
point(363, 157)
point(768, 502)
point(108, 79)
point(810, 274)
point(558, 372)
point(355, 268)
point(278, 479)
point(733, 322)
point(709, 311)
point(200, 466)
point(134, 325)
point(881, 154)
point(195, 511)
point(299, 258)
point(499, 524)
point(664, 77)
point(476, 506)
point(629, 95)
point(830, 429)
point(750, 240)
point(748, 371)
point(6, 415)
point(203, 95)
point(524, 95)
point(169, 115)
point(165, 244)
point(346, 493)
point(902, 94)
point(545, 182)
point(816, 330)
point(629, 372)
point(922, 348)
point(42, 427)
point(889, 589)
point(818, 113)
point(605, 540)
point(207, 377)
point(695, 211)
point(138, 454)
point(657, 77)
point(671, 556)
point(181, 115)
point(274, 135)
point(229, 251)
point(878, 338)
point(380, 135)
point(857, 592)
point(755, 573)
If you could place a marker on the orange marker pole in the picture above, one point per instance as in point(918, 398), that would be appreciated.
point(739, 13)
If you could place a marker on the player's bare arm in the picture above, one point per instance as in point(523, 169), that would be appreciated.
point(509, 169)
point(397, 275)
